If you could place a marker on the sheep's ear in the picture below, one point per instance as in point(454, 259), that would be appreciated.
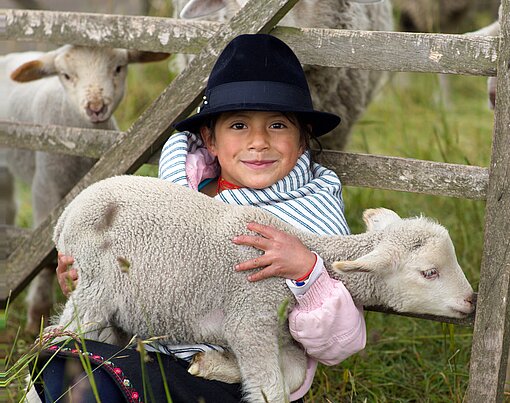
point(371, 262)
point(137, 56)
point(36, 69)
point(379, 218)
point(350, 266)
point(201, 8)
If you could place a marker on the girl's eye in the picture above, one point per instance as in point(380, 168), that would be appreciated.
point(238, 126)
point(278, 126)
point(430, 274)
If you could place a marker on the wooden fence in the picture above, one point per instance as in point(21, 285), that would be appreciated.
point(23, 253)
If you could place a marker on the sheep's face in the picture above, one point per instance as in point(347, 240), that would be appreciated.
point(95, 86)
point(93, 78)
point(425, 276)
point(415, 266)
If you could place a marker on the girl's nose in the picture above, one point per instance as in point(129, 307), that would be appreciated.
point(259, 139)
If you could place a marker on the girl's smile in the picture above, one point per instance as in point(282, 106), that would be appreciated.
point(259, 164)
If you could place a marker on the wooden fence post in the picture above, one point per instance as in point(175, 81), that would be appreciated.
point(489, 353)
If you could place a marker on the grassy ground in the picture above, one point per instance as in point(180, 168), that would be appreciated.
point(406, 360)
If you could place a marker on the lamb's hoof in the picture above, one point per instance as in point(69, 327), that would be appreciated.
point(196, 364)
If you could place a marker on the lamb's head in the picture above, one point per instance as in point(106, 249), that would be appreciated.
point(413, 266)
point(93, 78)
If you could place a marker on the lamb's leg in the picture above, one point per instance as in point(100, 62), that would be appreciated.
point(215, 365)
point(89, 319)
point(294, 362)
point(254, 339)
point(223, 366)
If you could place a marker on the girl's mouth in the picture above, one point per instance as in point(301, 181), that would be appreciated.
point(254, 164)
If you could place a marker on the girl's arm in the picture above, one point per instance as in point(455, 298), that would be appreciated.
point(326, 322)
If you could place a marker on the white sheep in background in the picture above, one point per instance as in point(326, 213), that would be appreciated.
point(155, 258)
point(346, 92)
point(71, 86)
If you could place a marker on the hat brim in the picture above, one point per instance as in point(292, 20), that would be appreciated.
point(321, 122)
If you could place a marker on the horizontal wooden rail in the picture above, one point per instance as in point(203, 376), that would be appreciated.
point(390, 51)
point(365, 170)
point(91, 143)
point(408, 175)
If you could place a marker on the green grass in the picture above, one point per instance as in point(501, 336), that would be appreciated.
point(406, 360)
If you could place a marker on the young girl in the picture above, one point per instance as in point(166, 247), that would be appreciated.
point(249, 145)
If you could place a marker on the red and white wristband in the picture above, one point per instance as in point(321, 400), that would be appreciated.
point(301, 285)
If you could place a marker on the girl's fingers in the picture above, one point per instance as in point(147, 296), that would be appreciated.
point(264, 230)
point(252, 264)
point(255, 241)
point(261, 275)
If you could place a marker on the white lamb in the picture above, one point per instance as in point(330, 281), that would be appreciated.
point(346, 92)
point(70, 86)
point(155, 258)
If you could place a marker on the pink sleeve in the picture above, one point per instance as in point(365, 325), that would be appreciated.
point(327, 323)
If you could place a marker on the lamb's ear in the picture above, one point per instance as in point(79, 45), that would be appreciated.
point(371, 262)
point(350, 266)
point(138, 56)
point(379, 218)
point(36, 69)
point(201, 8)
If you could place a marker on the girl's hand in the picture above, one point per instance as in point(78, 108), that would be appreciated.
point(284, 255)
point(67, 279)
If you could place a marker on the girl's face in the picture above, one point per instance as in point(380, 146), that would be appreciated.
point(254, 149)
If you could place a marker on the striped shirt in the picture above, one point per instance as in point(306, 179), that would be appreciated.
point(309, 197)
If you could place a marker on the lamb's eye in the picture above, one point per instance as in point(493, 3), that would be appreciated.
point(430, 274)
point(66, 76)
point(118, 69)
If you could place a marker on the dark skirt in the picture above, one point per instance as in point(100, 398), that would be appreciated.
point(120, 375)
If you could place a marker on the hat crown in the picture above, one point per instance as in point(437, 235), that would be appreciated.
point(258, 57)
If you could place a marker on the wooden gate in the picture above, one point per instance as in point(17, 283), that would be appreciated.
point(23, 253)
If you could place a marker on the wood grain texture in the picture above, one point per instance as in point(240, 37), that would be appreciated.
point(389, 51)
point(92, 143)
point(489, 353)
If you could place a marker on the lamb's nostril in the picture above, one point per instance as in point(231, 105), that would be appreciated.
point(471, 300)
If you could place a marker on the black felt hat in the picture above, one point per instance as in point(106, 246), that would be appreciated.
point(259, 72)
